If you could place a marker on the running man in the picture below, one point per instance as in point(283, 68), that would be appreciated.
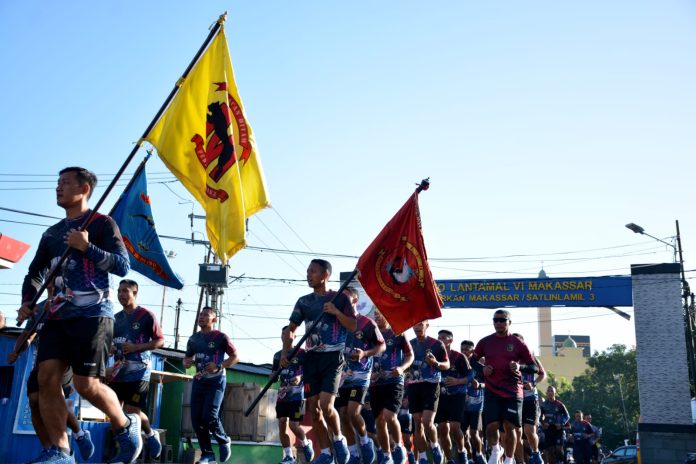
point(530, 413)
point(206, 350)
point(472, 418)
point(324, 360)
point(506, 357)
point(361, 347)
point(450, 409)
point(555, 419)
point(430, 359)
point(79, 327)
point(136, 334)
point(387, 391)
point(290, 404)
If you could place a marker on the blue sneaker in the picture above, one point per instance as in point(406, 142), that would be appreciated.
point(324, 459)
point(40, 458)
point(85, 445)
point(535, 458)
point(130, 443)
point(288, 460)
point(399, 455)
point(342, 453)
point(56, 456)
point(225, 451)
point(437, 455)
point(386, 459)
point(354, 459)
point(479, 459)
point(380, 455)
point(308, 451)
point(368, 452)
point(206, 458)
point(411, 458)
point(462, 457)
point(154, 446)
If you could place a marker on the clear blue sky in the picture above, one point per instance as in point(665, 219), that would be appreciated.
point(544, 127)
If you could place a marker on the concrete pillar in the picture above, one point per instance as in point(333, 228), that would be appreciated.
point(663, 381)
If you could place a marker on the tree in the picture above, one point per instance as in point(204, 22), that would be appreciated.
point(611, 374)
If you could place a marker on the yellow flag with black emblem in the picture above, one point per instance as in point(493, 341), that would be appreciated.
point(206, 141)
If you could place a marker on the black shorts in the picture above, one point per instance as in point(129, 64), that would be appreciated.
point(84, 343)
point(530, 411)
point(499, 409)
point(423, 396)
point(386, 396)
point(293, 410)
point(450, 408)
point(33, 382)
point(347, 394)
point(369, 418)
point(322, 372)
point(552, 437)
point(472, 420)
point(132, 393)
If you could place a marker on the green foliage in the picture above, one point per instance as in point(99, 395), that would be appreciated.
point(597, 391)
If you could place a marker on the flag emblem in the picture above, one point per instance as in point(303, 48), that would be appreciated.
point(401, 270)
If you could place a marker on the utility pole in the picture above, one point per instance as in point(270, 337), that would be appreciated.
point(688, 314)
point(176, 324)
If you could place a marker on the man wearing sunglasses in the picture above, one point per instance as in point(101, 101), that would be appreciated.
point(506, 358)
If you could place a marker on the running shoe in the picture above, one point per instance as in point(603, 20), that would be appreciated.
point(85, 445)
point(308, 451)
point(368, 452)
point(154, 446)
point(342, 453)
point(225, 451)
point(129, 441)
point(324, 459)
point(56, 456)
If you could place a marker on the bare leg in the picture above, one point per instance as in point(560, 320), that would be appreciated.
point(102, 397)
point(418, 433)
point(52, 402)
point(37, 422)
point(283, 432)
point(443, 430)
point(326, 401)
point(510, 439)
point(318, 422)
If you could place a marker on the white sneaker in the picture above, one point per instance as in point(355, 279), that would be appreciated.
point(496, 453)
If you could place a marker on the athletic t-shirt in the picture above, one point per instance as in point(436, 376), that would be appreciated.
point(209, 347)
point(420, 370)
point(397, 347)
point(554, 412)
point(329, 335)
point(533, 394)
point(365, 337)
point(459, 369)
point(474, 396)
point(82, 286)
point(287, 391)
point(139, 326)
point(499, 352)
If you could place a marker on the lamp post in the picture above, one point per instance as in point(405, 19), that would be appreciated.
point(689, 322)
point(169, 254)
point(618, 378)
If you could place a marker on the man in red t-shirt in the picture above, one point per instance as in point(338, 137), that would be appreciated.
point(506, 357)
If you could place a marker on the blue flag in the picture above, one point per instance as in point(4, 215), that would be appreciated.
point(134, 217)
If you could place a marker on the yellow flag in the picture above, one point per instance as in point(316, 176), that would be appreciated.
point(205, 139)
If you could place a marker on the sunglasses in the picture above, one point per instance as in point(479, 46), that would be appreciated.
point(500, 320)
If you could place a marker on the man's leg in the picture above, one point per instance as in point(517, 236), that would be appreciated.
point(36, 420)
point(510, 439)
point(419, 434)
point(198, 395)
point(430, 432)
point(459, 439)
point(103, 398)
point(443, 433)
point(326, 403)
point(52, 403)
point(130, 409)
point(318, 422)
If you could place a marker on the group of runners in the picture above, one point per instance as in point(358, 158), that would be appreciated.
point(373, 395)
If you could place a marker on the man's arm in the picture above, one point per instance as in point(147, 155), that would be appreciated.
point(2, 320)
point(288, 339)
point(113, 258)
point(349, 321)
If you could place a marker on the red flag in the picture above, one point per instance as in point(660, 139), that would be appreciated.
point(395, 274)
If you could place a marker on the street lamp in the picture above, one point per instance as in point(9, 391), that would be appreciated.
point(618, 378)
point(689, 321)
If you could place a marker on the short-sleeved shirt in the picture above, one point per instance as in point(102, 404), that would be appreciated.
point(533, 394)
point(288, 392)
point(474, 396)
point(139, 326)
point(209, 347)
point(579, 429)
point(554, 412)
point(365, 337)
point(329, 335)
point(459, 369)
point(397, 347)
point(420, 370)
point(82, 286)
point(499, 352)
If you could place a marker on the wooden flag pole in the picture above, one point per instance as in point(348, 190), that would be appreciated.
point(298, 345)
point(54, 270)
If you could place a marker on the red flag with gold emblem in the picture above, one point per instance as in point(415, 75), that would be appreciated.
point(395, 274)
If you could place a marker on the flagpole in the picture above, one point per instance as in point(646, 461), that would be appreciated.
point(298, 345)
point(54, 270)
